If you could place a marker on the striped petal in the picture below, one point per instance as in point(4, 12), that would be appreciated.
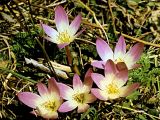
point(103, 49)
point(61, 19)
point(29, 99)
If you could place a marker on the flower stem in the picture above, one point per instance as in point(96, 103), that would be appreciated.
point(69, 57)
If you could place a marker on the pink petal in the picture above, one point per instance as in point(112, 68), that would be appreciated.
point(135, 52)
point(90, 98)
point(52, 86)
point(77, 83)
point(51, 39)
point(129, 89)
point(60, 46)
point(50, 31)
point(29, 99)
point(110, 67)
point(42, 89)
point(61, 19)
point(80, 32)
point(87, 79)
point(120, 48)
point(98, 64)
point(67, 106)
point(74, 26)
point(121, 66)
point(98, 93)
point(66, 92)
point(103, 49)
point(122, 77)
point(97, 78)
point(82, 108)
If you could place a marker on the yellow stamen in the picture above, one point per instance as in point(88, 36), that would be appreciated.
point(64, 37)
point(119, 60)
point(49, 106)
point(79, 97)
point(112, 89)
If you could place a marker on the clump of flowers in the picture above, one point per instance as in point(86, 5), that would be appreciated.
point(47, 103)
point(65, 33)
point(111, 86)
point(119, 55)
point(78, 96)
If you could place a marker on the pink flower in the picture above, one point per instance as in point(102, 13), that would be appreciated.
point(78, 96)
point(47, 103)
point(119, 55)
point(65, 33)
point(112, 85)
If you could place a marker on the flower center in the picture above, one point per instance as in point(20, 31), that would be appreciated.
point(112, 89)
point(79, 97)
point(49, 106)
point(119, 60)
point(64, 37)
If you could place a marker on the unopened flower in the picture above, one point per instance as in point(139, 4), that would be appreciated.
point(65, 33)
point(78, 96)
point(119, 55)
point(112, 85)
point(47, 103)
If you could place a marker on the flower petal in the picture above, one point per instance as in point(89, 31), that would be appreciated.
point(74, 26)
point(66, 92)
point(53, 87)
point(82, 108)
point(90, 98)
point(121, 78)
point(133, 54)
point(50, 31)
point(98, 64)
point(49, 115)
point(98, 78)
point(125, 91)
point(61, 19)
point(60, 46)
point(120, 48)
point(77, 83)
point(42, 89)
point(29, 99)
point(110, 68)
point(103, 49)
point(54, 40)
point(98, 93)
point(87, 79)
point(67, 106)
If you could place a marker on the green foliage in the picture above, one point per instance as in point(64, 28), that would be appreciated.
point(146, 74)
